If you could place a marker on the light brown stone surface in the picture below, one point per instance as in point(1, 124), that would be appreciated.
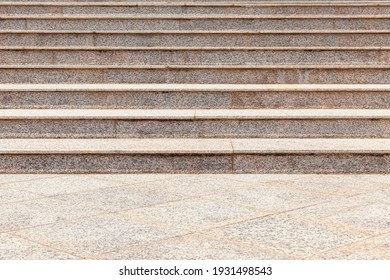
point(182, 216)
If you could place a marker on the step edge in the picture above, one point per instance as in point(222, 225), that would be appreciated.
point(195, 87)
point(193, 114)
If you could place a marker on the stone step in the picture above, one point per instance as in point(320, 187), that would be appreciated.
point(302, 38)
point(196, 22)
point(208, 74)
point(197, 1)
point(179, 8)
point(194, 96)
point(195, 155)
point(190, 123)
point(192, 56)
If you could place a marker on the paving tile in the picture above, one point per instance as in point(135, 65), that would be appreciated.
point(125, 145)
point(383, 180)
point(8, 194)
point(346, 211)
point(321, 183)
point(372, 218)
point(10, 178)
point(331, 185)
point(340, 185)
point(265, 178)
point(15, 248)
point(140, 178)
point(376, 248)
point(121, 198)
point(268, 197)
point(380, 196)
point(194, 247)
point(295, 237)
point(197, 185)
point(328, 208)
point(193, 214)
point(92, 236)
point(30, 213)
point(64, 184)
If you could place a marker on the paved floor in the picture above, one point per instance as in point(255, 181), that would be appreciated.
point(194, 216)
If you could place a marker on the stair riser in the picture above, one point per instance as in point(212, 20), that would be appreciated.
point(192, 1)
point(197, 57)
point(196, 40)
point(185, 10)
point(193, 76)
point(228, 163)
point(307, 128)
point(195, 24)
point(193, 100)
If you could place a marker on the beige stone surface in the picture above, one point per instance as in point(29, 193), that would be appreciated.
point(188, 114)
point(190, 87)
point(170, 146)
point(184, 216)
point(206, 146)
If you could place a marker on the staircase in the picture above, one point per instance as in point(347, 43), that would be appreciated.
point(195, 86)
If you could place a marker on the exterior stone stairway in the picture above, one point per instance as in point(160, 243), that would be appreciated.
point(195, 87)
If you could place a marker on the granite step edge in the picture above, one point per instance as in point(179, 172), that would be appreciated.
point(195, 146)
point(191, 114)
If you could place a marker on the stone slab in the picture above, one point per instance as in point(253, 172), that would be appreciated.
point(194, 214)
point(115, 163)
point(373, 219)
point(60, 185)
point(15, 248)
point(248, 74)
point(292, 236)
point(194, 247)
point(257, 8)
point(191, 23)
point(31, 213)
point(97, 235)
point(192, 39)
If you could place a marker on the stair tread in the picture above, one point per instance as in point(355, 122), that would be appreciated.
point(192, 114)
point(194, 66)
point(195, 48)
point(194, 146)
point(194, 87)
point(199, 3)
point(186, 16)
point(173, 31)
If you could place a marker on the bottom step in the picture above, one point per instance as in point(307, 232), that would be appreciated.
point(195, 156)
